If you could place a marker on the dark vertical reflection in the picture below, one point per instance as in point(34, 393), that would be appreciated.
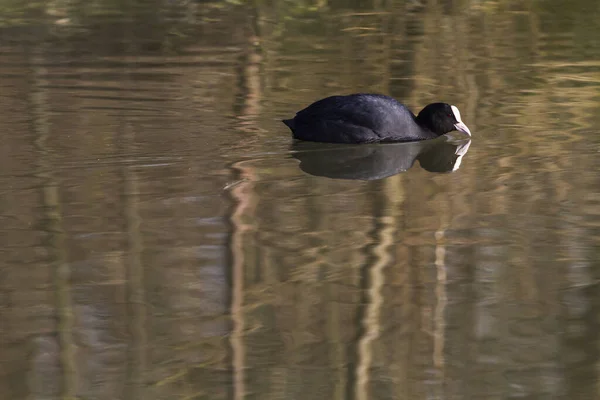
point(580, 303)
point(134, 268)
point(66, 375)
point(136, 297)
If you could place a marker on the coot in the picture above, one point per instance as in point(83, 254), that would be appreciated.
point(369, 118)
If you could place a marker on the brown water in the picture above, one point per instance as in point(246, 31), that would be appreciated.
point(159, 239)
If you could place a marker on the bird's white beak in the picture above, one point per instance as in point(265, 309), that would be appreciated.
point(460, 126)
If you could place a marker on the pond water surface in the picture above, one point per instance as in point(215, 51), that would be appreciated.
point(162, 237)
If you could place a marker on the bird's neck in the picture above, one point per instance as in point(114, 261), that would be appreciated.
point(426, 128)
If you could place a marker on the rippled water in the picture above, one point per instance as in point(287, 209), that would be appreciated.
point(161, 237)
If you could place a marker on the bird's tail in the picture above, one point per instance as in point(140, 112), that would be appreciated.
point(289, 123)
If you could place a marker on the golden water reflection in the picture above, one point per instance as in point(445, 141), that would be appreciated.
point(160, 237)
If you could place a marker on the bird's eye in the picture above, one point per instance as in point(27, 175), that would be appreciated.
point(450, 115)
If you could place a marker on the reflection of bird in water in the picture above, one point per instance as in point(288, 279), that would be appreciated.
point(377, 161)
point(372, 118)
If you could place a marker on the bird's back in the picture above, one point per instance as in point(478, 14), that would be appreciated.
point(356, 118)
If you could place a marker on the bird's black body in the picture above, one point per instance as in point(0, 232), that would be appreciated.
point(370, 118)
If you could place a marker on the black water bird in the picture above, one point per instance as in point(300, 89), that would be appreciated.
point(371, 118)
